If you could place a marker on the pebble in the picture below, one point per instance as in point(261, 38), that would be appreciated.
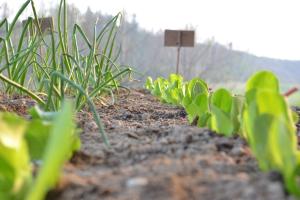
point(238, 151)
point(145, 116)
point(136, 182)
point(91, 126)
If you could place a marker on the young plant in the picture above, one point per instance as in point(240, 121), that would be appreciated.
point(262, 117)
point(51, 67)
point(22, 141)
point(269, 127)
point(15, 168)
point(221, 106)
point(62, 134)
point(196, 101)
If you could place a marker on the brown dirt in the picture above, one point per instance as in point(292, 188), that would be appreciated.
point(156, 155)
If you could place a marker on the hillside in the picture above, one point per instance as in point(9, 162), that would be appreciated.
point(144, 51)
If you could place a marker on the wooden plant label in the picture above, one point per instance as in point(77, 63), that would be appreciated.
point(179, 38)
point(46, 25)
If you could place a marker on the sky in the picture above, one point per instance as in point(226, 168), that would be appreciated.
point(269, 28)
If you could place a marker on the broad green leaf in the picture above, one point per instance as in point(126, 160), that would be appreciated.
point(197, 86)
point(198, 107)
point(222, 99)
point(62, 135)
point(270, 130)
point(37, 136)
point(15, 170)
point(220, 121)
point(186, 101)
point(295, 117)
point(221, 106)
point(37, 113)
point(149, 84)
point(159, 86)
point(259, 140)
point(175, 79)
point(263, 80)
point(236, 112)
point(204, 119)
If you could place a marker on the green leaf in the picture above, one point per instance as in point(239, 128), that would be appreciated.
point(221, 112)
point(37, 136)
point(295, 117)
point(220, 121)
point(15, 171)
point(197, 86)
point(263, 80)
point(158, 87)
point(37, 113)
point(204, 119)
point(175, 80)
point(192, 89)
point(62, 135)
point(270, 131)
point(198, 107)
point(222, 99)
point(149, 84)
point(236, 111)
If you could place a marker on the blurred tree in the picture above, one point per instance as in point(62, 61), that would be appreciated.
point(4, 10)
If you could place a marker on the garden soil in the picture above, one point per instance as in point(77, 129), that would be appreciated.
point(156, 155)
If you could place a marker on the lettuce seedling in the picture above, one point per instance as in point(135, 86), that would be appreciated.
point(50, 138)
point(39, 130)
point(64, 136)
point(221, 107)
point(193, 88)
point(167, 90)
point(149, 84)
point(196, 101)
point(199, 108)
point(15, 168)
point(174, 91)
point(269, 128)
point(159, 86)
point(236, 112)
point(262, 117)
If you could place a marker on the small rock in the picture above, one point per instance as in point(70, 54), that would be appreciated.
point(145, 116)
point(188, 139)
point(133, 135)
point(238, 151)
point(136, 182)
point(224, 144)
point(249, 192)
point(164, 141)
point(243, 176)
point(274, 188)
point(91, 125)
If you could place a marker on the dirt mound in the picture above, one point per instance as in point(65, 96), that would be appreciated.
point(157, 155)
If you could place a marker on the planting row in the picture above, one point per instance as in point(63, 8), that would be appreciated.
point(50, 65)
point(262, 116)
point(54, 63)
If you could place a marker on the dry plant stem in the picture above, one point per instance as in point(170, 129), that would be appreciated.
point(291, 91)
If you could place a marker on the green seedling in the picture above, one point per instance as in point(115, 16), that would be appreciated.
point(61, 134)
point(221, 106)
point(31, 66)
point(262, 117)
point(22, 141)
point(15, 168)
point(269, 128)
